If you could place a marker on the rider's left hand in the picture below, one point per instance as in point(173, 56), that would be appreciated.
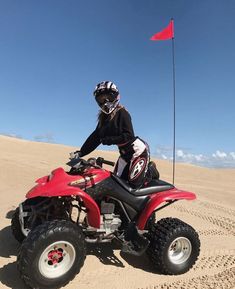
point(75, 155)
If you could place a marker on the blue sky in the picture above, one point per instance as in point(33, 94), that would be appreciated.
point(52, 54)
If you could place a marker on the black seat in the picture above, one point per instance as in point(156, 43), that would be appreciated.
point(153, 186)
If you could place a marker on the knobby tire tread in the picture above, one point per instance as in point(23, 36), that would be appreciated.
point(42, 232)
point(160, 234)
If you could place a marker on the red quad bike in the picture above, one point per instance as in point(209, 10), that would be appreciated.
point(65, 210)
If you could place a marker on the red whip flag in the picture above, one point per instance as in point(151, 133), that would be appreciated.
point(166, 33)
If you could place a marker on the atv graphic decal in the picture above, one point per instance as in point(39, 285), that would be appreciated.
point(83, 180)
point(137, 168)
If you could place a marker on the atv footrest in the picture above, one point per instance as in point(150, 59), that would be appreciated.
point(135, 247)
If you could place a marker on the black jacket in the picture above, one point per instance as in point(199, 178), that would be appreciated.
point(118, 130)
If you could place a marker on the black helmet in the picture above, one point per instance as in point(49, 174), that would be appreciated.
point(107, 96)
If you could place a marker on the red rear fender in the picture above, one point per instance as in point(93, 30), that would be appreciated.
point(159, 198)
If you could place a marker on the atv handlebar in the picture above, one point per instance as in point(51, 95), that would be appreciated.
point(101, 161)
point(77, 162)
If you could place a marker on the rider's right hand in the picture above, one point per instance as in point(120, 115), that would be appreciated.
point(75, 155)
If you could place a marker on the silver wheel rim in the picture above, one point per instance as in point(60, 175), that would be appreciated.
point(179, 250)
point(57, 259)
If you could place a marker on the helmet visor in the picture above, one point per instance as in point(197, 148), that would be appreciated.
point(104, 98)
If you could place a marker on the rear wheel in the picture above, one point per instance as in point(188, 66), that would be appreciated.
point(174, 246)
point(52, 254)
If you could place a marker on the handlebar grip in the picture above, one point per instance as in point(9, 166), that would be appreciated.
point(109, 163)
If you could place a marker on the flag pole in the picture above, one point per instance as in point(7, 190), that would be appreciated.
point(165, 34)
point(173, 73)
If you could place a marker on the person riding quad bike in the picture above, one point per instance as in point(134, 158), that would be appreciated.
point(115, 128)
point(66, 210)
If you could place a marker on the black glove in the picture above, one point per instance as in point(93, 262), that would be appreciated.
point(107, 140)
point(75, 155)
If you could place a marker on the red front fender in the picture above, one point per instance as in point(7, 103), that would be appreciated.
point(157, 199)
point(93, 211)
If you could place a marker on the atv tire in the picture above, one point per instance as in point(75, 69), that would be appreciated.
point(52, 254)
point(174, 246)
point(16, 227)
point(15, 221)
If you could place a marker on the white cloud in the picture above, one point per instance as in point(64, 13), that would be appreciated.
point(232, 154)
point(164, 157)
point(220, 155)
point(217, 159)
point(180, 153)
point(199, 157)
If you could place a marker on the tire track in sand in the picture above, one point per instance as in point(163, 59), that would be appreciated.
point(218, 265)
point(216, 207)
point(225, 223)
point(211, 232)
point(220, 261)
point(224, 279)
point(223, 259)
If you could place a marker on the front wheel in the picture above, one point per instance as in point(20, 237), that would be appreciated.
point(16, 227)
point(52, 254)
point(174, 246)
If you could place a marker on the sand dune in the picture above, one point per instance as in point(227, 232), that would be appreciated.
point(212, 215)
